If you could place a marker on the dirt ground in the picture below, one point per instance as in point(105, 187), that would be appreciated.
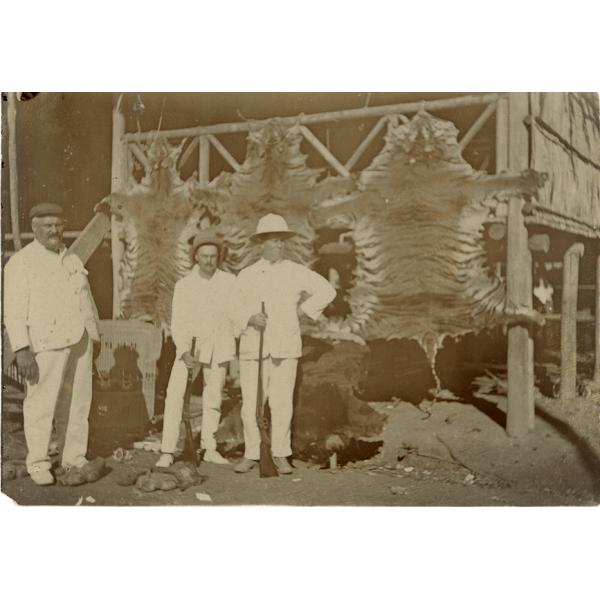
point(439, 453)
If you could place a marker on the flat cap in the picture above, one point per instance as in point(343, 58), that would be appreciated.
point(206, 237)
point(46, 209)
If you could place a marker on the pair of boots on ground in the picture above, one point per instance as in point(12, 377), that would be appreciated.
point(213, 456)
point(244, 466)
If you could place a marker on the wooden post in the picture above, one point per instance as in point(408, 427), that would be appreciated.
point(11, 121)
point(118, 183)
point(519, 285)
point(568, 323)
point(597, 363)
point(501, 135)
point(204, 161)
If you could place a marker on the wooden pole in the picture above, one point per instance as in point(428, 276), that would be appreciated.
point(223, 152)
point(520, 409)
point(118, 183)
point(597, 363)
point(204, 161)
point(365, 143)
point(501, 135)
point(323, 151)
point(512, 153)
point(142, 158)
point(11, 125)
point(339, 115)
point(568, 323)
point(477, 125)
point(188, 152)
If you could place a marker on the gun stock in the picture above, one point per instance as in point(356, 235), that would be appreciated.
point(266, 466)
point(189, 450)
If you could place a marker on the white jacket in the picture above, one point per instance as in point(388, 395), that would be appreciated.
point(284, 287)
point(204, 308)
point(47, 300)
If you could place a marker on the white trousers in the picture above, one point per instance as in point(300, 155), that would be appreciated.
point(214, 380)
point(279, 379)
point(63, 393)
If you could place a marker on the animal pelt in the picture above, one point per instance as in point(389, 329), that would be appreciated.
point(416, 216)
point(274, 178)
point(156, 222)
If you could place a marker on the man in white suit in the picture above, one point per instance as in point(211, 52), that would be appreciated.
point(51, 320)
point(202, 308)
point(286, 288)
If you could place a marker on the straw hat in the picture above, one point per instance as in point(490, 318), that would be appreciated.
point(272, 223)
point(206, 237)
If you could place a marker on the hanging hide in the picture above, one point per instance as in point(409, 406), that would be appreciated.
point(273, 178)
point(156, 222)
point(416, 216)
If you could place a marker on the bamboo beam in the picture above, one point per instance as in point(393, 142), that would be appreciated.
point(204, 161)
point(29, 236)
point(483, 118)
point(139, 154)
point(323, 151)
point(118, 183)
point(597, 362)
point(501, 135)
point(512, 154)
point(224, 152)
point(11, 122)
point(339, 115)
point(365, 143)
point(568, 323)
point(188, 152)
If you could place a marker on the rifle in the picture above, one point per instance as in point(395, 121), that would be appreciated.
point(189, 449)
point(266, 466)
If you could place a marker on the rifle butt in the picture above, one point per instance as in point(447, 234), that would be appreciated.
point(266, 466)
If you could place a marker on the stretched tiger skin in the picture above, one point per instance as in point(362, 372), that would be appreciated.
point(156, 221)
point(274, 178)
point(416, 217)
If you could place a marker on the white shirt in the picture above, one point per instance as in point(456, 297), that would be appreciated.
point(47, 300)
point(284, 287)
point(203, 308)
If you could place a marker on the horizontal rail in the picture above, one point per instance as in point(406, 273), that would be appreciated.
point(340, 115)
point(29, 235)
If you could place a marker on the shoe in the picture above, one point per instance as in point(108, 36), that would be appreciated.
point(42, 477)
point(165, 461)
point(213, 456)
point(282, 464)
point(247, 464)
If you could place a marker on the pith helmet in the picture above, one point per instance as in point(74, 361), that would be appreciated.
point(272, 223)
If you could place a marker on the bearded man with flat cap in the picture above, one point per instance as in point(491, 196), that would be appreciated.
point(202, 308)
point(287, 289)
point(51, 321)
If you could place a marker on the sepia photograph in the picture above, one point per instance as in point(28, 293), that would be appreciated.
point(301, 298)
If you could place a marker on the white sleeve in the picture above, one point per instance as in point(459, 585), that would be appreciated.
point(180, 332)
point(243, 308)
point(16, 303)
point(321, 293)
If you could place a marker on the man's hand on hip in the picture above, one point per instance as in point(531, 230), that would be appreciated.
point(27, 365)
